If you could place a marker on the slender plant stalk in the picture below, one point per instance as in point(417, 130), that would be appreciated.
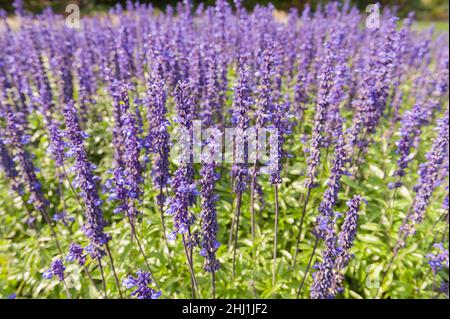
point(384, 275)
point(253, 186)
point(63, 200)
point(275, 242)
point(444, 235)
point(52, 230)
point(396, 250)
point(141, 249)
point(302, 283)
point(114, 269)
point(434, 282)
point(74, 193)
point(88, 274)
point(103, 276)
point(302, 219)
point(161, 212)
point(213, 284)
point(69, 295)
point(238, 214)
point(194, 286)
point(252, 200)
point(233, 221)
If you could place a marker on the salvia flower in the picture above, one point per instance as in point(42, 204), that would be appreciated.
point(240, 119)
point(429, 177)
point(333, 187)
point(324, 276)
point(183, 180)
point(56, 270)
point(76, 253)
point(209, 243)
point(85, 181)
point(411, 127)
point(278, 131)
point(317, 137)
point(141, 285)
point(126, 184)
point(438, 260)
point(158, 137)
point(264, 100)
point(133, 167)
point(211, 106)
point(346, 240)
point(18, 139)
point(9, 167)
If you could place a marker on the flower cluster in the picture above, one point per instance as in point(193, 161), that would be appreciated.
point(56, 270)
point(76, 253)
point(438, 260)
point(141, 283)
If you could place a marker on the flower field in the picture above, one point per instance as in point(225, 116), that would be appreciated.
point(215, 152)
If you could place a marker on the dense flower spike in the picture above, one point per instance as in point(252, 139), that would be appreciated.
point(429, 177)
point(322, 104)
point(410, 129)
point(18, 139)
point(346, 240)
point(209, 243)
point(324, 276)
point(85, 181)
point(328, 278)
point(240, 119)
point(8, 166)
point(182, 182)
point(333, 186)
point(279, 130)
point(158, 137)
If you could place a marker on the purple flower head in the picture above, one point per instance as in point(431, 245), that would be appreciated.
point(410, 130)
point(183, 180)
point(322, 105)
point(85, 182)
point(430, 177)
point(158, 137)
point(209, 243)
point(346, 239)
point(279, 130)
point(17, 139)
point(334, 184)
point(240, 119)
point(324, 276)
point(438, 260)
point(56, 269)
point(8, 166)
point(141, 285)
point(76, 253)
point(212, 104)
